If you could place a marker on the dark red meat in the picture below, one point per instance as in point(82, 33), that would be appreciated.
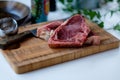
point(72, 33)
point(45, 31)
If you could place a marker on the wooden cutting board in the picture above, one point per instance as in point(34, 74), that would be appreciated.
point(35, 53)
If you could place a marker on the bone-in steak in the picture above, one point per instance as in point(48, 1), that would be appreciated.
point(72, 33)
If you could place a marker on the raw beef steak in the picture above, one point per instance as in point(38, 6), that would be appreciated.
point(45, 31)
point(72, 33)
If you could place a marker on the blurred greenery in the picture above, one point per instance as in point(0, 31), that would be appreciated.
point(117, 27)
point(88, 13)
point(92, 15)
point(107, 1)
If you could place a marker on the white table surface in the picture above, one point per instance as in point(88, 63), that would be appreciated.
point(101, 66)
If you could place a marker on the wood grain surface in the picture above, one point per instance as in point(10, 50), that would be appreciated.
point(35, 53)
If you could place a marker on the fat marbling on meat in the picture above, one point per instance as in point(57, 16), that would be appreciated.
point(45, 31)
point(71, 33)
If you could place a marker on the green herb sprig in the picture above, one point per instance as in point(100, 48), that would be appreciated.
point(106, 1)
point(117, 27)
point(90, 14)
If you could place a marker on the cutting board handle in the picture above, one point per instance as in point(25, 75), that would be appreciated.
point(7, 41)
